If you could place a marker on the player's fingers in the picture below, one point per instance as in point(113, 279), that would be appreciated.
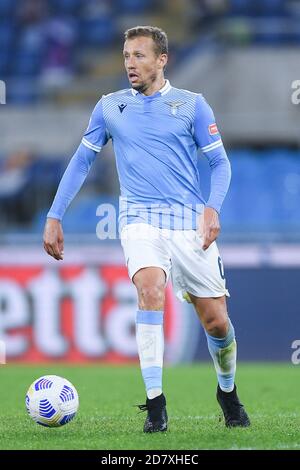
point(53, 250)
point(61, 247)
point(57, 253)
point(206, 241)
point(206, 245)
point(213, 235)
point(216, 231)
point(48, 249)
point(209, 237)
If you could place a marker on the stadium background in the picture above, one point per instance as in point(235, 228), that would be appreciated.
point(57, 57)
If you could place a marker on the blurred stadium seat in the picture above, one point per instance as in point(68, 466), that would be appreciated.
point(98, 31)
point(4, 62)
point(70, 7)
point(7, 8)
point(27, 64)
point(98, 23)
point(133, 7)
point(7, 32)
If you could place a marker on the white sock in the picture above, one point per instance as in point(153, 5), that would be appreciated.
point(150, 342)
point(153, 393)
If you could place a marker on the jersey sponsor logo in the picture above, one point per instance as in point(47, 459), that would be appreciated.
point(213, 129)
point(174, 106)
point(122, 107)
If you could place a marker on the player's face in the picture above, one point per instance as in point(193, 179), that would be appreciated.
point(142, 64)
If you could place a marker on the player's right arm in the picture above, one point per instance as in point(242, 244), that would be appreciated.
point(93, 140)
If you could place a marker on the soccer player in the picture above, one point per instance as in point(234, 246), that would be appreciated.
point(167, 228)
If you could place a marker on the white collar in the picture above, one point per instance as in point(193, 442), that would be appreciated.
point(163, 91)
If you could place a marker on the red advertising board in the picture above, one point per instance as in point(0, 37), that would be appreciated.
point(76, 312)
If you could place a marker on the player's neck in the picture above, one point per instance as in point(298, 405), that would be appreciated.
point(155, 86)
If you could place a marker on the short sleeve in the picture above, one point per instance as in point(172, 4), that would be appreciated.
point(96, 135)
point(206, 133)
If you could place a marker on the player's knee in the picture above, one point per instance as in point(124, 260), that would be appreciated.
point(217, 327)
point(151, 296)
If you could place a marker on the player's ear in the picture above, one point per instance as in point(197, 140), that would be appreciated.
point(163, 58)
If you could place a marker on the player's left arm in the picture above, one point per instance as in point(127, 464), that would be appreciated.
point(209, 140)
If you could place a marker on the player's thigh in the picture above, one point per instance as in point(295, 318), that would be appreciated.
point(146, 253)
point(194, 270)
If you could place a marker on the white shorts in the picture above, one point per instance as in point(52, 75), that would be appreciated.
point(179, 253)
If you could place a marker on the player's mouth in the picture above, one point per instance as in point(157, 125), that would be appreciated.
point(133, 77)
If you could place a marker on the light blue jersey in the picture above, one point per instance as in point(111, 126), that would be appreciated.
point(156, 140)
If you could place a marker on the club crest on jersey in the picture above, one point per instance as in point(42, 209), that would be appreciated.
point(174, 106)
point(213, 129)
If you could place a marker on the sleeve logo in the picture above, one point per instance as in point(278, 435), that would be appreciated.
point(213, 129)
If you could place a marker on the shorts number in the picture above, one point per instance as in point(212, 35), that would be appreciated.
point(221, 268)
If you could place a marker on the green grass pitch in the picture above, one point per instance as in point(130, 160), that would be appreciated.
point(107, 418)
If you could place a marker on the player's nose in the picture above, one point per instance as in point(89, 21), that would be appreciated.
point(130, 62)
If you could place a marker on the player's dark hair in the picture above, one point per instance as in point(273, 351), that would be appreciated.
point(159, 37)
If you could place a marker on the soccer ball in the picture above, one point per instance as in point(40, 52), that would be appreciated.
point(52, 401)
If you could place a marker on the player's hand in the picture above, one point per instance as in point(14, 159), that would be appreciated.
point(54, 239)
point(209, 226)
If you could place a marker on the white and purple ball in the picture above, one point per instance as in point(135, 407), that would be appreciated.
point(52, 401)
